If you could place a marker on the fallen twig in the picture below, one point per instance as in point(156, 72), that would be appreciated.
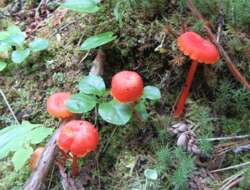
point(241, 148)
point(228, 138)
point(233, 69)
point(67, 182)
point(231, 167)
point(9, 107)
point(98, 63)
point(227, 182)
point(37, 177)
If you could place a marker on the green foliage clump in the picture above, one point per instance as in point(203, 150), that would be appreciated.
point(175, 163)
point(14, 38)
point(185, 167)
point(163, 156)
point(19, 138)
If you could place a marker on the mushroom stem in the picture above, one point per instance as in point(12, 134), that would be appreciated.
point(185, 91)
point(65, 156)
point(74, 166)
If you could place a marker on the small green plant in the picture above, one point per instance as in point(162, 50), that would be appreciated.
point(151, 176)
point(14, 48)
point(175, 163)
point(185, 167)
point(19, 138)
point(90, 6)
point(93, 94)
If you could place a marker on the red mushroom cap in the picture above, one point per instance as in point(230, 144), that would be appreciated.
point(79, 137)
point(35, 157)
point(56, 105)
point(126, 86)
point(197, 48)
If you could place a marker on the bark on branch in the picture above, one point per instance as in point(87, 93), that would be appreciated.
point(233, 69)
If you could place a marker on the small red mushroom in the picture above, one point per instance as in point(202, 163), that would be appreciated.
point(56, 105)
point(200, 51)
point(127, 86)
point(79, 138)
point(35, 157)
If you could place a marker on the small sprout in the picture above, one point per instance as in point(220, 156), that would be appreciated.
point(79, 138)
point(35, 157)
point(56, 105)
point(127, 86)
point(200, 51)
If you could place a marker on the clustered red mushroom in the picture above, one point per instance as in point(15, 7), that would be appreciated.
point(56, 105)
point(78, 137)
point(127, 86)
point(200, 51)
point(35, 157)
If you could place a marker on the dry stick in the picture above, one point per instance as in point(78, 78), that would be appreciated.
point(228, 138)
point(233, 69)
point(233, 183)
point(231, 167)
point(37, 177)
point(8, 105)
point(67, 182)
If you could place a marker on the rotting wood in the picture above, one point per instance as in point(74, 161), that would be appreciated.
point(231, 66)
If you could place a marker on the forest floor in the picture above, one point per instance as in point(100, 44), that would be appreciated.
point(218, 105)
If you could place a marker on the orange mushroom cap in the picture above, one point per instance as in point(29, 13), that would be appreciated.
point(56, 105)
point(126, 86)
point(35, 157)
point(197, 48)
point(79, 137)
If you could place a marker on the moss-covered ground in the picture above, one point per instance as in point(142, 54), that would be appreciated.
point(218, 105)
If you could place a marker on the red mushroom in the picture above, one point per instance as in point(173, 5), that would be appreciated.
point(56, 105)
point(126, 86)
point(79, 138)
point(35, 157)
point(200, 51)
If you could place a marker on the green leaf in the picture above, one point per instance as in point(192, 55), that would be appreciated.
point(92, 84)
point(13, 29)
point(16, 36)
point(81, 103)
point(38, 135)
point(39, 44)
point(98, 40)
point(151, 92)
point(82, 6)
point(4, 46)
point(17, 39)
point(151, 174)
point(15, 137)
point(21, 156)
point(3, 65)
point(19, 56)
point(4, 35)
point(141, 109)
point(115, 113)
